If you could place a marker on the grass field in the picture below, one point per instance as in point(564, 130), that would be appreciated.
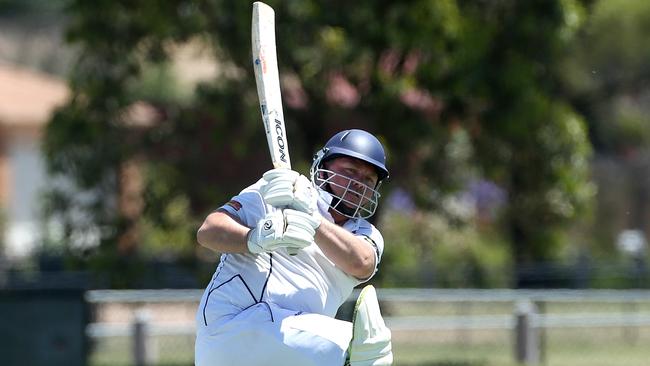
point(564, 347)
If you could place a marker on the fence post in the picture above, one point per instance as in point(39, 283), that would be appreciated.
point(142, 350)
point(527, 341)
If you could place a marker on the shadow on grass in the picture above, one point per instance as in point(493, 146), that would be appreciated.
point(444, 363)
point(436, 363)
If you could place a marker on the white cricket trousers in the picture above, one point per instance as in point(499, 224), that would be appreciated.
point(267, 335)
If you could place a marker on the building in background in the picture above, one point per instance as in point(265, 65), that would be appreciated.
point(27, 100)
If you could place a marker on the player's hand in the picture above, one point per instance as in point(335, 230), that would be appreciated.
point(288, 188)
point(287, 228)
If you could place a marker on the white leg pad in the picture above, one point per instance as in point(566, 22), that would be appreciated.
point(370, 344)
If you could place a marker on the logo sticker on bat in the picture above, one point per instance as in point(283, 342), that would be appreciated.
point(280, 138)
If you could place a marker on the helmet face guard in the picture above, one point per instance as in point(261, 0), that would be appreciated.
point(356, 200)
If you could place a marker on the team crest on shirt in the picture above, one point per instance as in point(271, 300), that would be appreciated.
point(234, 204)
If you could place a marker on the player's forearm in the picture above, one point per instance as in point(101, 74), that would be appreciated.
point(350, 253)
point(223, 234)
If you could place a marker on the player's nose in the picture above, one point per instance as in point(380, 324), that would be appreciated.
point(356, 184)
point(359, 189)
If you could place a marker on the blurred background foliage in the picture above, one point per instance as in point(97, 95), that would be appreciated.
point(508, 125)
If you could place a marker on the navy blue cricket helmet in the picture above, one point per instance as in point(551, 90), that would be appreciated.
point(357, 144)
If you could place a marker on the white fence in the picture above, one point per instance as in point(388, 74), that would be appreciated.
point(524, 313)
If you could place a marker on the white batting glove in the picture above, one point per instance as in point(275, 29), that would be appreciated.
point(287, 228)
point(287, 188)
point(301, 227)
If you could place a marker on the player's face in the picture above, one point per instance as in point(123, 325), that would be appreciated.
point(354, 181)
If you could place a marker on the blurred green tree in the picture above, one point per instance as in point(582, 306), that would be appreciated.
point(32, 7)
point(457, 90)
point(606, 77)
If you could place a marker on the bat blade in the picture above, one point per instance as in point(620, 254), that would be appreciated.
point(267, 79)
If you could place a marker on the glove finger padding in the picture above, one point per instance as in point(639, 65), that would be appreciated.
point(300, 229)
point(280, 173)
point(282, 229)
point(301, 219)
point(298, 238)
point(278, 191)
point(287, 188)
point(305, 196)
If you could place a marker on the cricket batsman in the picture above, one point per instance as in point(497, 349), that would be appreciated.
point(293, 248)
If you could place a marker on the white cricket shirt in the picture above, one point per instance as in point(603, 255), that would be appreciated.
point(307, 282)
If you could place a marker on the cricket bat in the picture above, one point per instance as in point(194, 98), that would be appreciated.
point(267, 79)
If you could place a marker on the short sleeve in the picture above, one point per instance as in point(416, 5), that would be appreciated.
point(248, 206)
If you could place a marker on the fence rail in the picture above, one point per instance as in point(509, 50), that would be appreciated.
point(105, 330)
point(431, 322)
point(400, 295)
point(508, 295)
